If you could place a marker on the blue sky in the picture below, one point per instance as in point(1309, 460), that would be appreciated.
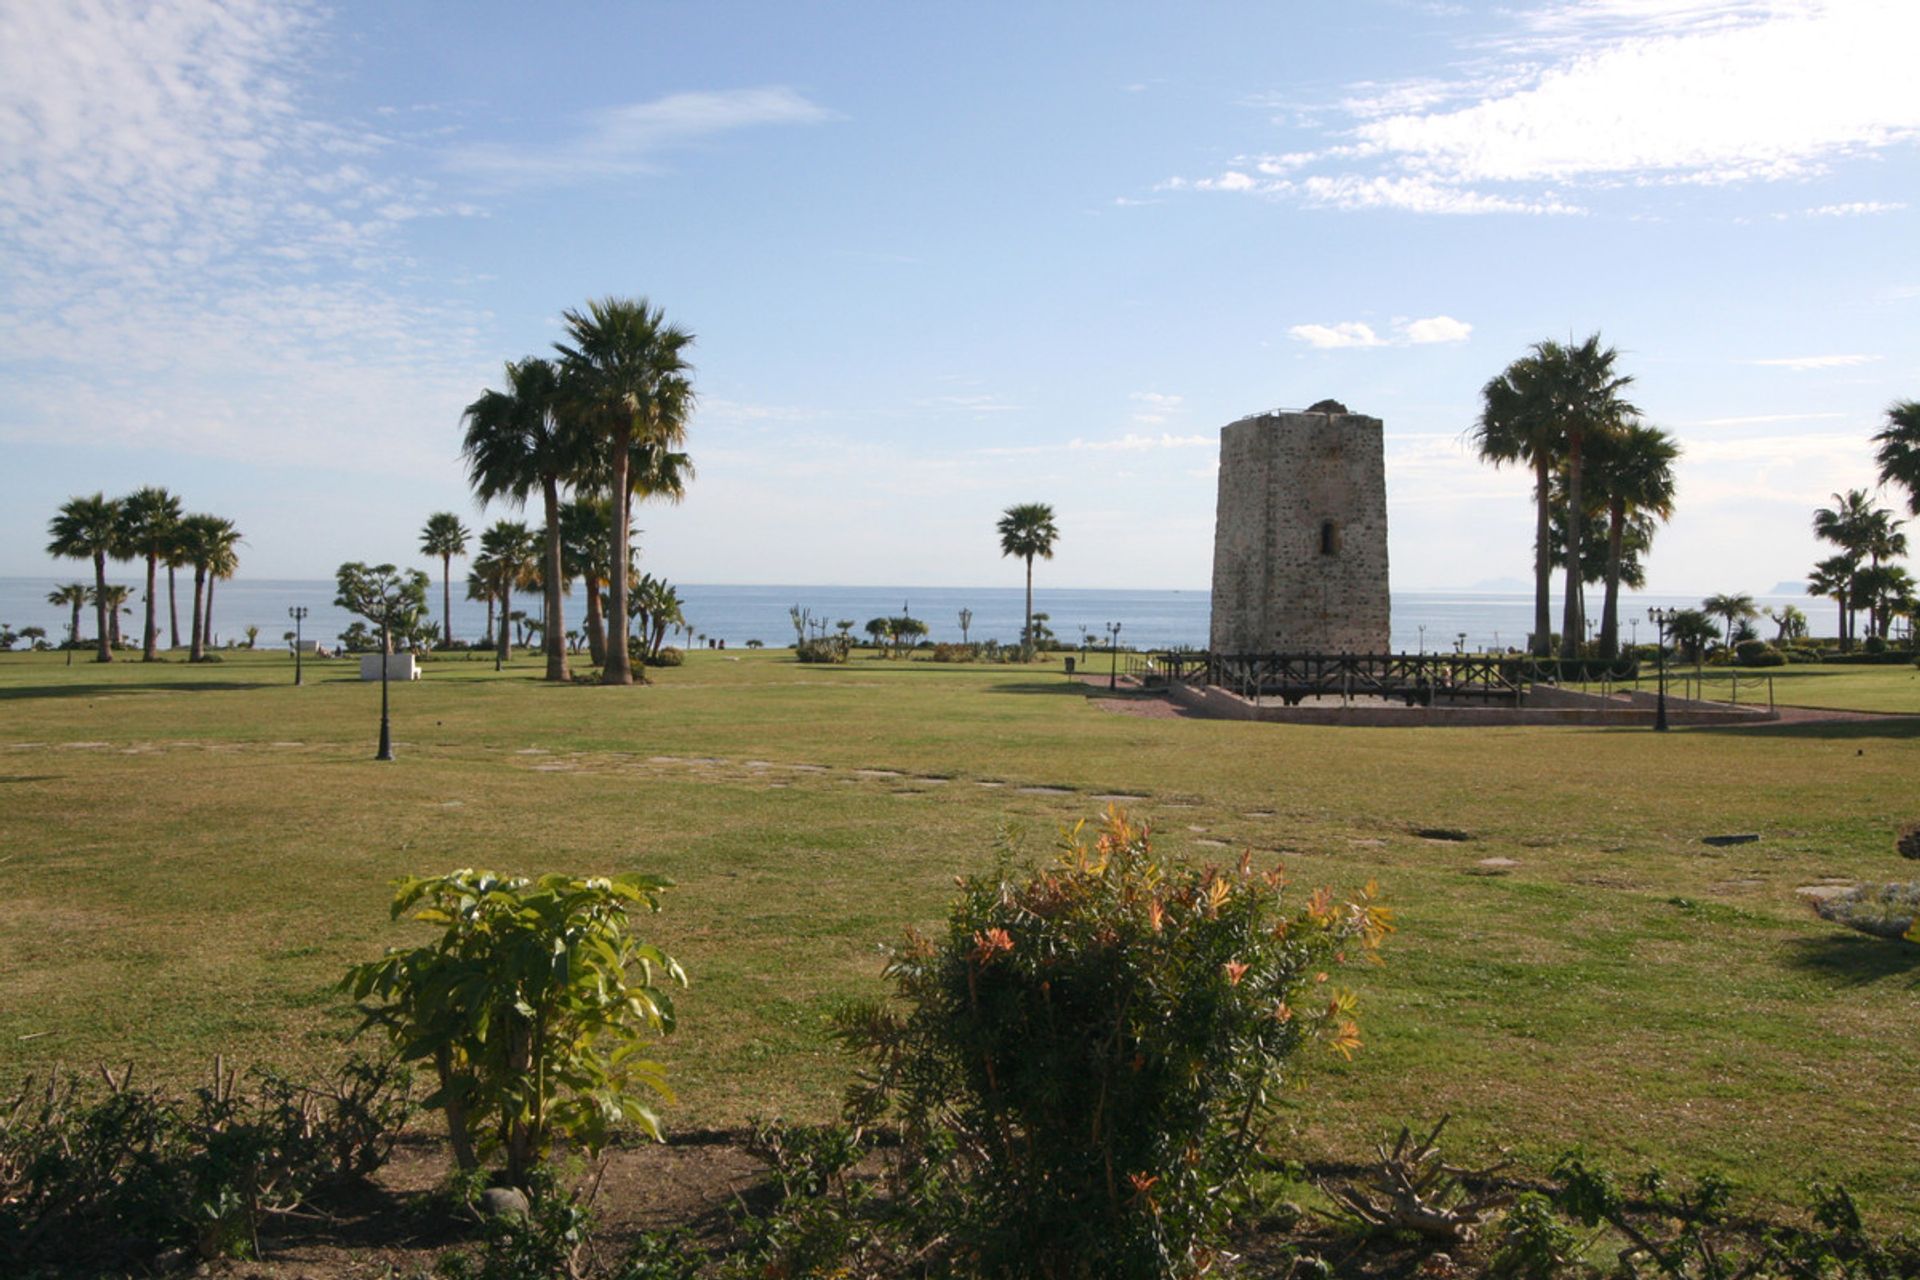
point(945, 258)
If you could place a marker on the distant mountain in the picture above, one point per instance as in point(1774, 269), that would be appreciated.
point(1502, 586)
point(1788, 589)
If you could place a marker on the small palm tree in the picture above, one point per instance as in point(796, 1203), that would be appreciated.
point(70, 595)
point(1833, 578)
point(480, 587)
point(1517, 424)
point(1027, 530)
point(112, 598)
point(148, 518)
point(507, 551)
point(223, 561)
point(1733, 608)
point(1899, 452)
point(1850, 525)
point(586, 539)
point(89, 528)
point(1632, 471)
point(626, 381)
point(443, 535)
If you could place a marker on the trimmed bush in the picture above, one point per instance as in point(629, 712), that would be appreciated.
point(1089, 1050)
point(1874, 644)
point(667, 657)
point(1885, 659)
point(823, 649)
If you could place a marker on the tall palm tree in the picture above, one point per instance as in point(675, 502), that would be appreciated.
point(480, 587)
point(626, 380)
point(1027, 530)
point(1517, 424)
point(519, 440)
point(507, 550)
point(1587, 403)
point(175, 555)
point(1733, 608)
point(1632, 472)
point(223, 561)
point(1881, 539)
point(1899, 452)
point(1833, 578)
point(147, 520)
point(70, 595)
point(89, 528)
point(113, 598)
point(1847, 525)
point(443, 535)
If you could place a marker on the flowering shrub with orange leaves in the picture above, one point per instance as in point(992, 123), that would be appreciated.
point(1093, 1045)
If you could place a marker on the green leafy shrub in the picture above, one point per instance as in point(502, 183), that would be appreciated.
point(1874, 645)
point(532, 1007)
point(1532, 1242)
point(1799, 654)
point(829, 649)
point(1883, 910)
point(1097, 1042)
point(668, 656)
point(1758, 653)
point(946, 652)
point(1885, 658)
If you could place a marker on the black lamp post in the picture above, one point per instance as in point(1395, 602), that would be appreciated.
point(386, 727)
point(1659, 618)
point(297, 613)
point(1113, 659)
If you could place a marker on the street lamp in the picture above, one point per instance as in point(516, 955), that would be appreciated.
point(1660, 618)
point(298, 613)
point(1113, 661)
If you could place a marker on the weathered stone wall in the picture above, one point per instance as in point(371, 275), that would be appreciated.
point(1300, 535)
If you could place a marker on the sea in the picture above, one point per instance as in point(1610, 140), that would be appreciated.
point(1423, 621)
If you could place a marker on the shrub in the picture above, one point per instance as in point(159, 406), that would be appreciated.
point(829, 649)
point(1907, 842)
point(667, 657)
point(531, 1007)
point(1802, 654)
point(944, 652)
point(1883, 910)
point(1875, 644)
point(1532, 1243)
point(1749, 652)
point(1097, 1043)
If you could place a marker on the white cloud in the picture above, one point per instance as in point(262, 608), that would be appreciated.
point(626, 140)
point(1758, 419)
point(1154, 407)
point(1804, 363)
point(1437, 329)
point(1356, 333)
point(1856, 209)
point(1598, 94)
point(1324, 337)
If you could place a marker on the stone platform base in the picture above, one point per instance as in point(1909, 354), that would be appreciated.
point(1544, 705)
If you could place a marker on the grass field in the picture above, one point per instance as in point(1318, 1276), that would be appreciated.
point(193, 854)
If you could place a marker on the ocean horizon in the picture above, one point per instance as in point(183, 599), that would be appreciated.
point(1421, 620)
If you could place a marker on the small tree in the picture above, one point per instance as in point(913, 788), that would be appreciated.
point(966, 624)
point(391, 599)
point(532, 1007)
point(1691, 631)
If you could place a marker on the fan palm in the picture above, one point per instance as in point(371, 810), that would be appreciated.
point(1632, 472)
point(113, 599)
point(507, 550)
point(1733, 608)
point(70, 595)
point(1517, 424)
point(626, 381)
point(1027, 530)
point(1833, 579)
point(223, 561)
point(89, 528)
point(147, 520)
point(443, 535)
point(519, 440)
point(586, 534)
point(1899, 452)
point(1847, 524)
point(479, 588)
point(1587, 404)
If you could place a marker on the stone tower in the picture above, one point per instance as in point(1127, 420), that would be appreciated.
point(1300, 534)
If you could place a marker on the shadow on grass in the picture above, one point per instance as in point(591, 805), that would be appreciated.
point(1056, 687)
point(107, 688)
point(1897, 727)
point(1856, 960)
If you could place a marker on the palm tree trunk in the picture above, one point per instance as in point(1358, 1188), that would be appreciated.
point(446, 598)
point(502, 648)
point(619, 670)
point(73, 627)
point(100, 606)
point(1610, 608)
point(206, 635)
point(173, 611)
point(199, 650)
point(596, 621)
point(489, 630)
point(1543, 561)
point(150, 639)
point(1026, 636)
point(1573, 624)
point(556, 627)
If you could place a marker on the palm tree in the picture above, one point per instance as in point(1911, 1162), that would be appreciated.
point(626, 382)
point(1027, 530)
point(89, 528)
point(586, 539)
point(443, 535)
point(147, 520)
point(222, 549)
point(1833, 578)
point(1731, 607)
point(70, 595)
point(507, 551)
point(1587, 404)
point(175, 556)
point(1632, 472)
point(518, 440)
point(1881, 539)
point(1516, 424)
point(112, 598)
point(1847, 525)
point(480, 588)
point(1899, 452)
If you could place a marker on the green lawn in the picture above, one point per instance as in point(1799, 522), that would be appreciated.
point(192, 854)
